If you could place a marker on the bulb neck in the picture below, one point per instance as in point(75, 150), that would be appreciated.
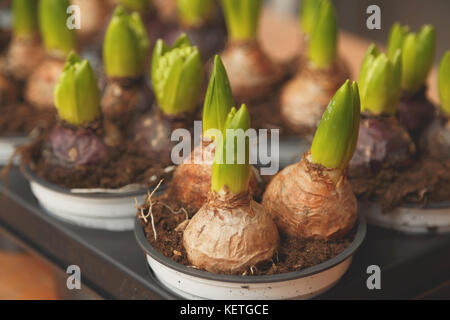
point(318, 171)
point(225, 199)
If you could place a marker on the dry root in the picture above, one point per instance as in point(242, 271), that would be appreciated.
point(152, 203)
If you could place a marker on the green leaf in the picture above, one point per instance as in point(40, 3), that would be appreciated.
point(335, 139)
point(323, 43)
point(158, 51)
point(418, 53)
point(242, 18)
point(182, 42)
point(231, 167)
point(379, 82)
point(24, 18)
point(371, 54)
point(177, 76)
point(76, 95)
point(218, 100)
point(125, 46)
point(397, 37)
point(444, 83)
point(309, 12)
point(57, 38)
point(195, 13)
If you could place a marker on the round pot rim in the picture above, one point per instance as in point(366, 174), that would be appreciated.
point(31, 176)
point(361, 228)
point(431, 205)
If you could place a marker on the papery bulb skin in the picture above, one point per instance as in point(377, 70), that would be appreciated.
point(309, 201)
point(382, 143)
point(229, 234)
point(23, 57)
point(125, 99)
point(253, 75)
point(73, 147)
point(191, 180)
point(304, 98)
point(94, 16)
point(167, 9)
point(41, 83)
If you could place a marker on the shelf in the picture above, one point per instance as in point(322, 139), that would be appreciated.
point(113, 266)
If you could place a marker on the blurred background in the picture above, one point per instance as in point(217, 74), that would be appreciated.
point(352, 17)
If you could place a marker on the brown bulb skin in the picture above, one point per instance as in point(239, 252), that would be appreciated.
point(229, 234)
point(304, 98)
point(75, 146)
point(41, 83)
point(125, 99)
point(191, 182)
point(23, 57)
point(382, 143)
point(253, 75)
point(94, 18)
point(309, 201)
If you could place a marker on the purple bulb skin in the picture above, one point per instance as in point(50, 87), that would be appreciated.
point(415, 113)
point(382, 143)
point(73, 147)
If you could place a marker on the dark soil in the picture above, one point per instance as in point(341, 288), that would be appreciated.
point(424, 181)
point(21, 119)
point(125, 165)
point(293, 254)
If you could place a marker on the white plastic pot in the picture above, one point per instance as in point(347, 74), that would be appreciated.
point(8, 146)
point(114, 210)
point(190, 283)
point(433, 218)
